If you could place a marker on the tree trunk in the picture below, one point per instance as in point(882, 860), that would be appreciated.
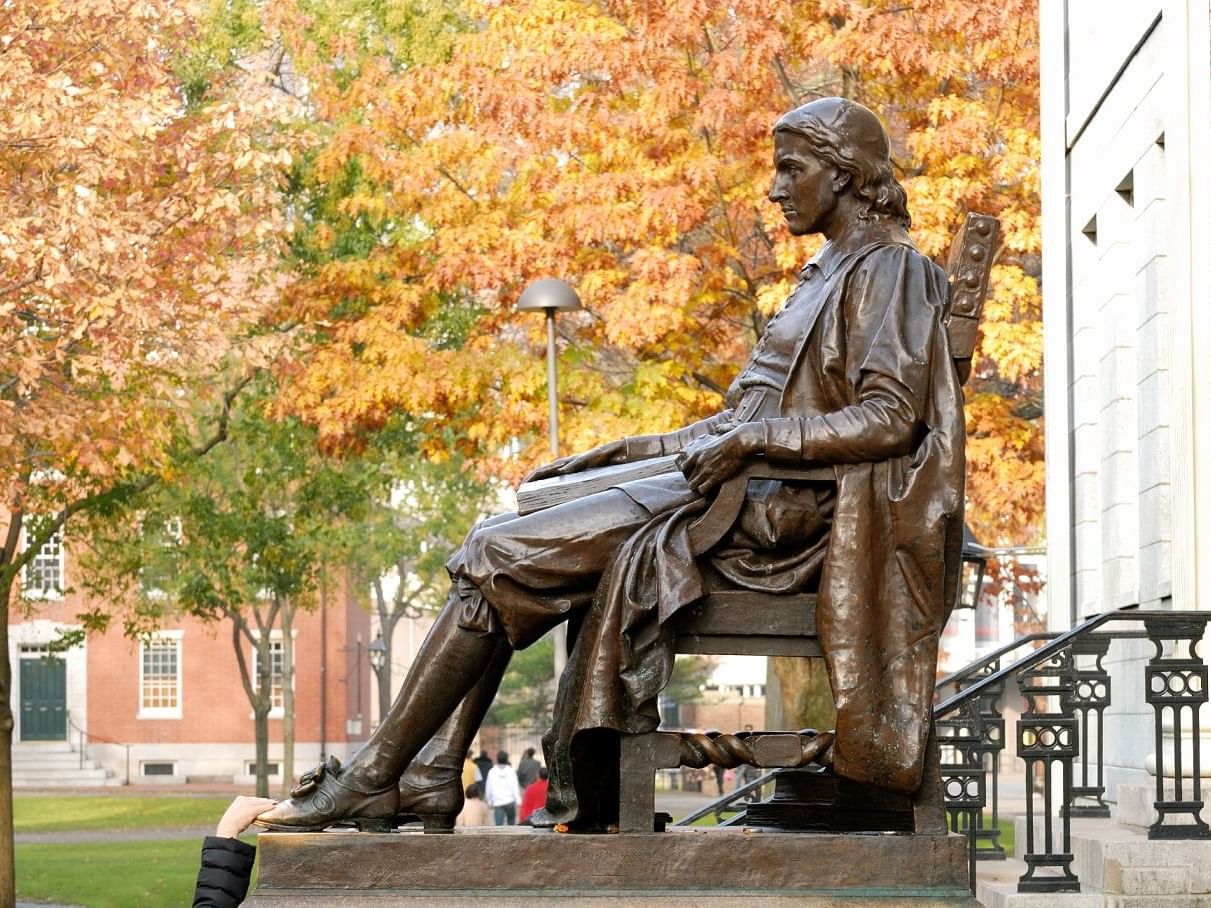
point(807, 697)
point(260, 721)
point(256, 689)
point(260, 711)
point(287, 697)
point(8, 878)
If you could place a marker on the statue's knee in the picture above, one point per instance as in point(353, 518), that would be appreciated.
point(485, 546)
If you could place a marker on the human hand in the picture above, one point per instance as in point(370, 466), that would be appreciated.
point(713, 459)
point(240, 814)
point(603, 455)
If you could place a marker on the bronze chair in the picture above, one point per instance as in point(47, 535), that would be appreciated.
point(720, 624)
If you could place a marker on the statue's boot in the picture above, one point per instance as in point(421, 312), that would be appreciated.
point(431, 789)
point(365, 792)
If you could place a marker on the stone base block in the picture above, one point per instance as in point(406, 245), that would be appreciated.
point(694, 866)
point(1136, 802)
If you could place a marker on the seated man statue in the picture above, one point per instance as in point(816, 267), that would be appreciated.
point(854, 372)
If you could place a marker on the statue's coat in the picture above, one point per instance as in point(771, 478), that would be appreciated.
point(873, 391)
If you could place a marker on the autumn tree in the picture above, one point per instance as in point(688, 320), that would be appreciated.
point(139, 236)
point(417, 513)
point(625, 146)
point(238, 537)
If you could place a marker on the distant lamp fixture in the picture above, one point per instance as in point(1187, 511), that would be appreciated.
point(377, 652)
point(550, 295)
point(971, 578)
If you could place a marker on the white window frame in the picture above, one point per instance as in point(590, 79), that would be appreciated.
point(276, 710)
point(162, 712)
point(29, 588)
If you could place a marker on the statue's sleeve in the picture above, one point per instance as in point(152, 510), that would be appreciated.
point(893, 310)
point(640, 447)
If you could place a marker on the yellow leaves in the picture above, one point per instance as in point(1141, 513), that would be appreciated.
point(771, 297)
point(626, 148)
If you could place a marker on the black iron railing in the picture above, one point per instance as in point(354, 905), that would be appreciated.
point(85, 737)
point(1067, 691)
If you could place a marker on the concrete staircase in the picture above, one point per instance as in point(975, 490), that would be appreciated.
point(55, 765)
point(1118, 866)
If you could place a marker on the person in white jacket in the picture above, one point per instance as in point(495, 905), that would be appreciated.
point(502, 792)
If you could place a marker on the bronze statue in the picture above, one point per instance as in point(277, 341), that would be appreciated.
point(855, 371)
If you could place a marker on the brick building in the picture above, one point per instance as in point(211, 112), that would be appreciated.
point(171, 708)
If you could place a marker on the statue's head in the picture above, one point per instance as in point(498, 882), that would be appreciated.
point(849, 137)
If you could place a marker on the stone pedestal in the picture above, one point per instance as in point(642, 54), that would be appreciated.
point(688, 866)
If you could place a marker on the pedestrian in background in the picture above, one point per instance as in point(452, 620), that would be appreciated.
point(534, 797)
point(484, 763)
point(502, 792)
point(471, 773)
point(527, 769)
point(475, 811)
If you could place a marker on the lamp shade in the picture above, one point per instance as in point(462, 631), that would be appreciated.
point(971, 580)
point(549, 293)
point(377, 651)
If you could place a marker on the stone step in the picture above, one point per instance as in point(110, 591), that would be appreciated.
point(53, 762)
point(1117, 861)
point(1122, 859)
point(37, 751)
point(997, 888)
point(1136, 803)
point(53, 778)
point(110, 782)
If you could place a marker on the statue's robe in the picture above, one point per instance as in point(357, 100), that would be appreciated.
point(872, 390)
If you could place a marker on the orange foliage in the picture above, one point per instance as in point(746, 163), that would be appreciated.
point(138, 236)
point(625, 146)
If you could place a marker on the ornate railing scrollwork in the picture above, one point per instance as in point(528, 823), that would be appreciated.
point(1047, 738)
point(1176, 681)
point(1088, 698)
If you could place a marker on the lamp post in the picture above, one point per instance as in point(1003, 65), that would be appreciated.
point(551, 295)
point(376, 652)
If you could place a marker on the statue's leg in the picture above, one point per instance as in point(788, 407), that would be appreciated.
point(431, 788)
point(515, 579)
point(365, 792)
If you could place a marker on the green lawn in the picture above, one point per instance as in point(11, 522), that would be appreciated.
point(68, 813)
point(119, 874)
point(110, 874)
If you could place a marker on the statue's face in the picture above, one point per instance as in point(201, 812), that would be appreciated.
point(805, 187)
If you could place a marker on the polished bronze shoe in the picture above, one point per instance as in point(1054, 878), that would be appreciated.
point(323, 798)
point(436, 803)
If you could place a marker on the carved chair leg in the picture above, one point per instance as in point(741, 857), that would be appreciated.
point(929, 811)
point(637, 794)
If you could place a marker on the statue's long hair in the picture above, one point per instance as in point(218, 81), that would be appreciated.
point(871, 177)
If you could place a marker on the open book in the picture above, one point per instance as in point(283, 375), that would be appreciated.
point(543, 493)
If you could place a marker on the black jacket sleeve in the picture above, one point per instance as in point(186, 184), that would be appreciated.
point(225, 873)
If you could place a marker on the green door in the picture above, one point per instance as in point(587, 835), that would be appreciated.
point(43, 700)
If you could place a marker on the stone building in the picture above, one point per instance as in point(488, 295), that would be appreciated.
point(1126, 113)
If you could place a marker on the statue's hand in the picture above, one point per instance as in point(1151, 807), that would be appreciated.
point(601, 456)
point(714, 458)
